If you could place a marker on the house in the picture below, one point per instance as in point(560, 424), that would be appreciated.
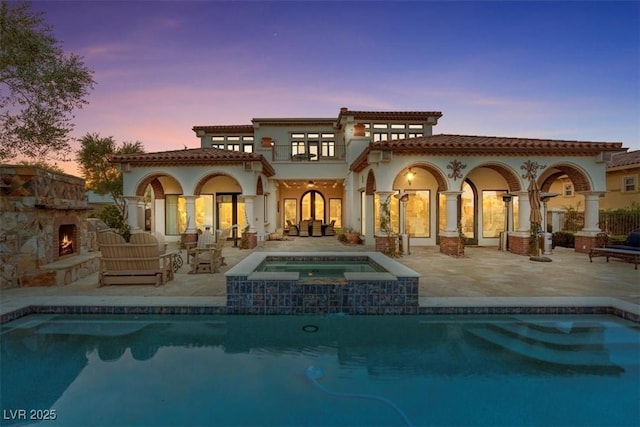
point(343, 168)
point(623, 187)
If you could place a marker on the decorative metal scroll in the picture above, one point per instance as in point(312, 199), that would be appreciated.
point(531, 169)
point(456, 168)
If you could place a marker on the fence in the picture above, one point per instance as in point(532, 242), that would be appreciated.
point(613, 223)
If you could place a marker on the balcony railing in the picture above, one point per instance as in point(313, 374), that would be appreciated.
point(284, 153)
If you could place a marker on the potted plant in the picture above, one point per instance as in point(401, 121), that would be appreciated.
point(349, 235)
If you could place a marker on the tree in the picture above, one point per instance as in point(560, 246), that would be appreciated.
point(100, 175)
point(40, 86)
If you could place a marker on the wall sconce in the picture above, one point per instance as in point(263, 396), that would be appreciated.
point(311, 184)
point(410, 176)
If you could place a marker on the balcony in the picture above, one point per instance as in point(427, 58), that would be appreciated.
point(284, 153)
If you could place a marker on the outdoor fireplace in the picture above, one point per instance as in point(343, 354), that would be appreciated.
point(66, 239)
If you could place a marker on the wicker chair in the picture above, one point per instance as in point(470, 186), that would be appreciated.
point(316, 228)
point(304, 228)
point(293, 228)
point(330, 230)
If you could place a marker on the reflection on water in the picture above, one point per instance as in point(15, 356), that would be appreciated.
point(179, 363)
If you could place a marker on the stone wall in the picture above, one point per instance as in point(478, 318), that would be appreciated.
point(33, 204)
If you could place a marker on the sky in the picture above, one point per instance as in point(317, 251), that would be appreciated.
point(543, 69)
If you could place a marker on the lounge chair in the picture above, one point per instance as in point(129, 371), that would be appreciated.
point(304, 228)
point(628, 251)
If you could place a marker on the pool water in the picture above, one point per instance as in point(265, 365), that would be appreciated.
point(321, 268)
point(322, 370)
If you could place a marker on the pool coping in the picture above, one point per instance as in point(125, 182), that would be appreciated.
point(217, 306)
point(246, 267)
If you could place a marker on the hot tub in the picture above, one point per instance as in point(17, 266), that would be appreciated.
point(325, 282)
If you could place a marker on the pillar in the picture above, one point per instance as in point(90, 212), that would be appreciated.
point(249, 212)
point(190, 202)
point(450, 236)
point(132, 212)
point(586, 238)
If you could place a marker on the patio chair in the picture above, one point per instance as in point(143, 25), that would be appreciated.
point(316, 228)
point(304, 228)
point(209, 259)
point(205, 240)
point(293, 228)
point(330, 230)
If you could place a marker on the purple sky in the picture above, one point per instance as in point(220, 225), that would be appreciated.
point(561, 70)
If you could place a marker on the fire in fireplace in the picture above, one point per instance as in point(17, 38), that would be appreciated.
point(66, 239)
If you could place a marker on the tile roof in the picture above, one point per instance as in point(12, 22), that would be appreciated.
point(193, 156)
point(389, 115)
point(483, 145)
point(625, 159)
point(225, 129)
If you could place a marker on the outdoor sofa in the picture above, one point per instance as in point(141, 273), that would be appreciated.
point(628, 251)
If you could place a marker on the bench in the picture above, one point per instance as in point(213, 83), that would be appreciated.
point(134, 263)
point(628, 251)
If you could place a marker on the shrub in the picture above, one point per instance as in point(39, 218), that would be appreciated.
point(564, 239)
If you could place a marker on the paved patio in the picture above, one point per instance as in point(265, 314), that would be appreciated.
point(484, 277)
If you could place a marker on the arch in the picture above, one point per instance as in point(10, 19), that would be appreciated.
point(312, 201)
point(577, 175)
point(434, 171)
point(513, 181)
point(205, 179)
point(370, 188)
point(154, 181)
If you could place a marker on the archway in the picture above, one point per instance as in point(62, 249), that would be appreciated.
point(313, 205)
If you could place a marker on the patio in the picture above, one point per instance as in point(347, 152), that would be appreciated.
point(485, 277)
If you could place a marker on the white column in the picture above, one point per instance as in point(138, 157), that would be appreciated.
point(132, 212)
point(524, 212)
point(451, 227)
point(249, 211)
point(190, 202)
point(591, 211)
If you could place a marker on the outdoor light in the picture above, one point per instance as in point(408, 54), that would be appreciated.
point(409, 176)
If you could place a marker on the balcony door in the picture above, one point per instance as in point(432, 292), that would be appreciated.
point(312, 205)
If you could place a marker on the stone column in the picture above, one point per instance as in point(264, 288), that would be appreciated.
point(519, 239)
point(586, 238)
point(450, 236)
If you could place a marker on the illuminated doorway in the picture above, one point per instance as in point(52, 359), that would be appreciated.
point(312, 206)
point(467, 213)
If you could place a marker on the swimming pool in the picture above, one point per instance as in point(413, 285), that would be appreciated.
point(321, 370)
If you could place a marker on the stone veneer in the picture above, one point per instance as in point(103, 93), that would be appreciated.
point(392, 292)
point(34, 203)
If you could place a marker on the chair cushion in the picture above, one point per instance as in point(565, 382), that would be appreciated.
point(633, 240)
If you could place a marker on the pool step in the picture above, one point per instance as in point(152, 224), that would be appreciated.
point(539, 346)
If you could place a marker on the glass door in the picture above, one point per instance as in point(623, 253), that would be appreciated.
point(230, 211)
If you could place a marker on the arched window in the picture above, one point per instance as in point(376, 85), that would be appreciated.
point(312, 205)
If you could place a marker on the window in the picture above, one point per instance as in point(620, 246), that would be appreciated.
point(291, 211)
point(567, 189)
point(493, 210)
point(629, 183)
point(247, 148)
point(417, 214)
point(233, 147)
point(220, 146)
point(335, 212)
point(394, 213)
point(316, 145)
point(380, 136)
point(217, 138)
